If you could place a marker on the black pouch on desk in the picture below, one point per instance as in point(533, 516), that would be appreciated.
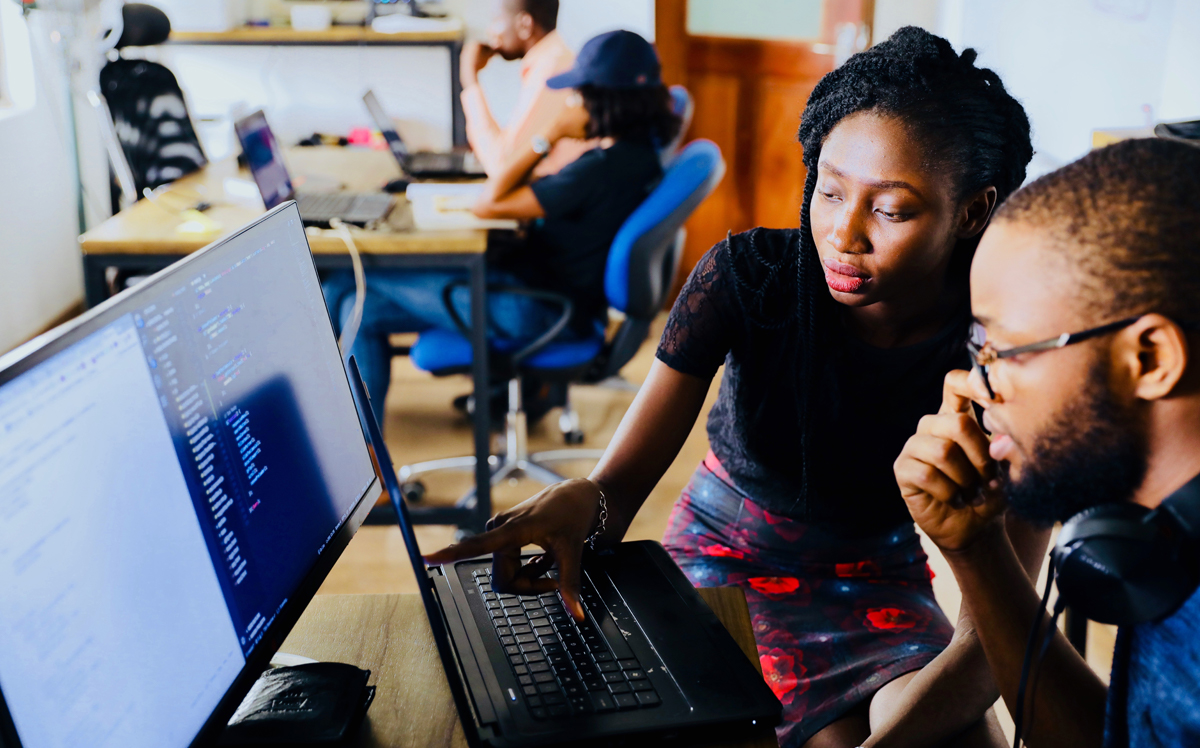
point(318, 704)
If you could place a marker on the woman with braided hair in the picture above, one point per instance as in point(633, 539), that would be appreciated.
point(835, 338)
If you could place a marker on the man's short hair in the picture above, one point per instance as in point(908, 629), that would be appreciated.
point(543, 12)
point(1128, 217)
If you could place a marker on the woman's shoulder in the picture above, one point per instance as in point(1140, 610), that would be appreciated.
point(760, 265)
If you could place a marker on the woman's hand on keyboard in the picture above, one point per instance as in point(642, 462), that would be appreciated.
point(559, 520)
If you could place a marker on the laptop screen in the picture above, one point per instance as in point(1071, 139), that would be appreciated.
point(265, 159)
point(385, 125)
point(172, 473)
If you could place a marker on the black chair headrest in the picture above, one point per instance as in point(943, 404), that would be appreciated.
point(145, 26)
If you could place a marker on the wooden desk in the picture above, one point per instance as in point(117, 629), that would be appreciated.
point(389, 635)
point(348, 36)
point(146, 238)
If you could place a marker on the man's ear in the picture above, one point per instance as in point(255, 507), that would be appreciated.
point(1154, 350)
point(523, 26)
point(976, 211)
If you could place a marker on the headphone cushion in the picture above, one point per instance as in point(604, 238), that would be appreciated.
point(1114, 566)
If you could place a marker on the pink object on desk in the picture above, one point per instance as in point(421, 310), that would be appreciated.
point(360, 136)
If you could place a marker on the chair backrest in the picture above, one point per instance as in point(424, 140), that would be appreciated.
point(644, 255)
point(684, 107)
point(148, 111)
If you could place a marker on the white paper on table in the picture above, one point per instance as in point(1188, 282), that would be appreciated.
point(447, 205)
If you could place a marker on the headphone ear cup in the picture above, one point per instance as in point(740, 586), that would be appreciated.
point(1113, 566)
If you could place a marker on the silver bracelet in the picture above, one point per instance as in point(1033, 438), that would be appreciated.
point(591, 541)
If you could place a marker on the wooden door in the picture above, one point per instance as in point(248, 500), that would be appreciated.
point(749, 93)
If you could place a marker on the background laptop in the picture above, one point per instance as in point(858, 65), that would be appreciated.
point(179, 470)
point(275, 184)
point(651, 661)
point(422, 164)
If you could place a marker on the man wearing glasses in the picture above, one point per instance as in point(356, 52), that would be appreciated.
point(1086, 293)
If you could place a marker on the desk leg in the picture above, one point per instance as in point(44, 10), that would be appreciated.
point(479, 370)
point(95, 285)
point(458, 118)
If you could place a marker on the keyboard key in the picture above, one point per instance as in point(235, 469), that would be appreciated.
point(531, 604)
point(635, 674)
point(512, 650)
point(510, 602)
point(534, 701)
point(531, 647)
point(480, 572)
point(515, 659)
point(544, 631)
point(536, 618)
point(587, 670)
point(602, 657)
point(630, 665)
point(626, 700)
point(506, 596)
point(492, 604)
point(557, 658)
point(496, 614)
point(581, 704)
point(539, 713)
point(522, 630)
point(602, 702)
point(554, 698)
point(503, 631)
point(547, 688)
point(507, 641)
point(560, 711)
point(613, 677)
point(552, 647)
point(535, 657)
point(538, 667)
point(574, 689)
point(648, 698)
point(595, 684)
point(641, 685)
point(554, 608)
point(529, 690)
point(525, 638)
point(560, 618)
point(521, 670)
point(608, 667)
point(525, 680)
point(621, 687)
point(543, 677)
point(489, 595)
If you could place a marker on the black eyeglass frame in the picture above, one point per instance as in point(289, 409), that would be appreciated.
point(982, 357)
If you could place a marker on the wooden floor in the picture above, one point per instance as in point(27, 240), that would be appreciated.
point(422, 425)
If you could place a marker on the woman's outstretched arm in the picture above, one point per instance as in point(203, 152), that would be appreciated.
point(560, 518)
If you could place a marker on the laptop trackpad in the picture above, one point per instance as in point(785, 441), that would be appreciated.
point(687, 636)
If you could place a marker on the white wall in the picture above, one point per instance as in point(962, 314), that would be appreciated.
point(1076, 65)
point(40, 269)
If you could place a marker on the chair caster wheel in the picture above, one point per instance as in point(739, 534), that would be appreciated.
point(413, 491)
point(462, 534)
point(573, 437)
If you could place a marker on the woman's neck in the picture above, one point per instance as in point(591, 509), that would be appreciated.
point(907, 320)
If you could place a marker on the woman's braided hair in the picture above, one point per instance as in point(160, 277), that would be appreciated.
point(971, 125)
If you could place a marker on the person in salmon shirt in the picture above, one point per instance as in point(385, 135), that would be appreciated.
point(522, 30)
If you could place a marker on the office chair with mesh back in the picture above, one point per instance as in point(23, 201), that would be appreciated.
point(641, 269)
point(149, 116)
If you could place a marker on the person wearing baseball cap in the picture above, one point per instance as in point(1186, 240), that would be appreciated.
point(619, 102)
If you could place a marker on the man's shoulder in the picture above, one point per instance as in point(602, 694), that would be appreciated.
point(1161, 676)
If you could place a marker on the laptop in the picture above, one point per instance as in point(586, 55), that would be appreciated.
point(651, 661)
point(179, 469)
point(275, 184)
point(422, 164)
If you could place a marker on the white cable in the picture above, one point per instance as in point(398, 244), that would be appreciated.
point(350, 329)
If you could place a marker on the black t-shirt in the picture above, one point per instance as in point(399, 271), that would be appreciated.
point(737, 309)
point(585, 205)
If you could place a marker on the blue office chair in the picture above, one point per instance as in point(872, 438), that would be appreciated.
point(641, 269)
point(683, 106)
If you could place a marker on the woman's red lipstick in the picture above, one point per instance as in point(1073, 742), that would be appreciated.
point(844, 278)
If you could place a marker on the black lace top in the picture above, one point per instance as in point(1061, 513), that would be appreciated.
point(738, 309)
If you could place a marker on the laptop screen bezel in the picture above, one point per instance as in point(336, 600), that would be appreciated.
point(387, 128)
point(240, 127)
point(38, 350)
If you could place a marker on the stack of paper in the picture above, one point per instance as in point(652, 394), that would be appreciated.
point(447, 205)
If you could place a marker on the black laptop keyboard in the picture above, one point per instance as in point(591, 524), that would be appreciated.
point(565, 668)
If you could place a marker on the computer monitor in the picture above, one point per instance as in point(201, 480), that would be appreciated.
point(179, 470)
point(265, 159)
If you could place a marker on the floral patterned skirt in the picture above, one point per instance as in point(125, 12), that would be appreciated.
point(836, 614)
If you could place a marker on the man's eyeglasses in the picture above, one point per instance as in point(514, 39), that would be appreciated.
point(983, 355)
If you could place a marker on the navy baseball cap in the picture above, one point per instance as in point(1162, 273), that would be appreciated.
point(617, 59)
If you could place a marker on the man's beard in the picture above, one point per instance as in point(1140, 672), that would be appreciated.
point(1093, 453)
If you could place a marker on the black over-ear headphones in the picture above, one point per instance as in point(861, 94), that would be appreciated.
point(1125, 564)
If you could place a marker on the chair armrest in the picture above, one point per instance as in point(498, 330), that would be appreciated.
point(541, 341)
